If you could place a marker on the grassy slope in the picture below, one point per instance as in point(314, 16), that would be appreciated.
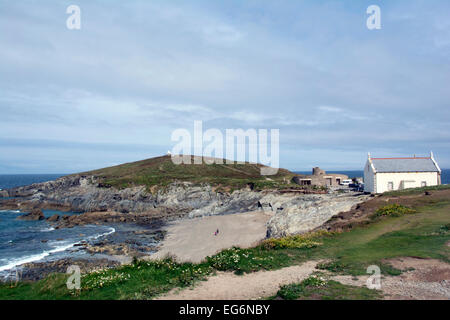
point(422, 234)
point(414, 191)
point(314, 288)
point(162, 171)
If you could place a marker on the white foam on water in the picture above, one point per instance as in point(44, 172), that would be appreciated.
point(111, 231)
point(48, 229)
point(36, 257)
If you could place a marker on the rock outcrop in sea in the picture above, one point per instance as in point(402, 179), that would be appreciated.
point(35, 214)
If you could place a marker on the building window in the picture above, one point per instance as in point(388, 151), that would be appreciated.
point(390, 186)
point(423, 184)
point(305, 182)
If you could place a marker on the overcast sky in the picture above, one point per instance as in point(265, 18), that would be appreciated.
point(113, 92)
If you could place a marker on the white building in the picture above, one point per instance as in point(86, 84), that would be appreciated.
point(387, 174)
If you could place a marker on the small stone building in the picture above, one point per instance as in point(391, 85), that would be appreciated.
point(320, 178)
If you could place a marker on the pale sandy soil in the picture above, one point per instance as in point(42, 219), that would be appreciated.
point(193, 240)
point(428, 279)
point(228, 286)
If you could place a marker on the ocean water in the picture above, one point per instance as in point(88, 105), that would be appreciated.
point(31, 241)
point(37, 241)
point(445, 175)
point(17, 180)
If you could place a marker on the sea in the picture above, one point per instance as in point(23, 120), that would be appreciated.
point(32, 241)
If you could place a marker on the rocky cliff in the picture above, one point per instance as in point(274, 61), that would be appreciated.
point(292, 212)
point(303, 214)
point(85, 194)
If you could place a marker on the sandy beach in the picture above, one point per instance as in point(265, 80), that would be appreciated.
point(192, 240)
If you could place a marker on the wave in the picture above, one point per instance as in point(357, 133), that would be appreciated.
point(36, 257)
point(13, 211)
point(111, 231)
point(48, 229)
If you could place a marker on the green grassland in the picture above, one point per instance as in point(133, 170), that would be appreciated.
point(415, 191)
point(161, 171)
point(422, 231)
point(317, 288)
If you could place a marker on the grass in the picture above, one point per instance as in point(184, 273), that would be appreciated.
point(141, 280)
point(309, 240)
point(248, 260)
point(413, 191)
point(423, 234)
point(394, 210)
point(317, 288)
point(158, 173)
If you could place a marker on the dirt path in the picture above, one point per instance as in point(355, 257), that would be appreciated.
point(426, 279)
point(228, 286)
point(193, 240)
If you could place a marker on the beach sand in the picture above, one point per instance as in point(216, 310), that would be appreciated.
point(192, 240)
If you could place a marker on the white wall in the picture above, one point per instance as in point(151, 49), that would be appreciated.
point(416, 178)
point(368, 178)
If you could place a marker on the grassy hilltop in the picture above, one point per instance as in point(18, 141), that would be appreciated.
point(161, 171)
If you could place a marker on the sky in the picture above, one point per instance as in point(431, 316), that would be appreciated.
point(115, 90)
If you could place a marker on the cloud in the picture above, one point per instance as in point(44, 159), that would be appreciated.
point(137, 70)
point(330, 109)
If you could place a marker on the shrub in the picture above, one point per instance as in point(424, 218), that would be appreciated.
point(445, 229)
point(394, 210)
point(308, 240)
point(333, 266)
point(242, 260)
point(290, 291)
point(295, 290)
point(165, 271)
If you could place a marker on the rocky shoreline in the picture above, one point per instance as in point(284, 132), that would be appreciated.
point(292, 211)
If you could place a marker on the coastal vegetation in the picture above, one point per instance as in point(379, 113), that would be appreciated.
point(423, 232)
point(416, 191)
point(316, 287)
point(308, 240)
point(161, 172)
point(394, 210)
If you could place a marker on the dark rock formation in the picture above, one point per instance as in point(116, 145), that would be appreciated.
point(35, 214)
point(53, 218)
